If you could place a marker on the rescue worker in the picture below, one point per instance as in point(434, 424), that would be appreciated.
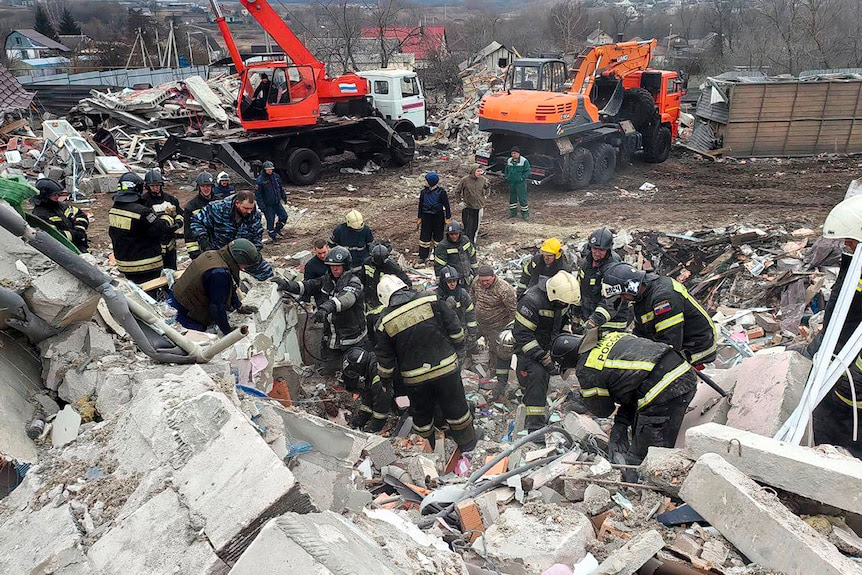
point(354, 235)
point(136, 231)
point(433, 215)
point(155, 197)
point(71, 221)
point(207, 290)
point(315, 267)
point(449, 286)
point(342, 314)
point(472, 191)
point(543, 265)
point(374, 267)
point(359, 375)
point(422, 337)
point(504, 349)
point(457, 251)
point(664, 311)
point(204, 188)
point(270, 196)
point(222, 221)
point(517, 172)
point(650, 381)
point(541, 315)
point(495, 304)
point(223, 187)
point(596, 310)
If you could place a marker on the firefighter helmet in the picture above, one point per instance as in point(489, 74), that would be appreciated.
point(154, 178)
point(388, 285)
point(243, 252)
point(204, 179)
point(564, 287)
point(354, 220)
point(565, 349)
point(454, 227)
point(379, 253)
point(622, 278)
point(845, 220)
point(338, 256)
point(552, 246)
point(356, 362)
point(48, 187)
point(449, 273)
point(602, 239)
point(129, 187)
point(506, 342)
point(223, 177)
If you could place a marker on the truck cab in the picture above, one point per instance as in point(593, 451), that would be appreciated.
point(398, 96)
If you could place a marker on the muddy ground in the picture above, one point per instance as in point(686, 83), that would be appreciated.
point(691, 193)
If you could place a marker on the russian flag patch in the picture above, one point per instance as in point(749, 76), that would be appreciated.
point(662, 307)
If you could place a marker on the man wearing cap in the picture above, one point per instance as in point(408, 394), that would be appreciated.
point(270, 196)
point(516, 173)
point(433, 215)
point(354, 235)
point(495, 302)
point(206, 291)
point(543, 265)
point(472, 191)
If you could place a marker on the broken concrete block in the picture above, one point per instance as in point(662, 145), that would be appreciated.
point(707, 406)
point(582, 426)
point(20, 378)
point(113, 392)
point(829, 478)
point(314, 543)
point(768, 388)
point(597, 499)
point(768, 322)
point(61, 299)
point(380, 450)
point(531, 539)
point(575, 484)
point(66, 426)
point(42, 541)
point(79, 385)
point(757, 523)
point(265, 297)
point(632, 556)
point(134, 546)
point(665, 468)
point(422, 469)
point(487, 503)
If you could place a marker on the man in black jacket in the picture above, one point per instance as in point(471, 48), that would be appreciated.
point(543, 265)
point(596, 310)
point(204, 186)
point(51, 207)
point(374, 267)
point(359, 375)
point(155, 197)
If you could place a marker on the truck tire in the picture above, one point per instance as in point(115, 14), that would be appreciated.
point(657, 148)
point(402, 156)
point(639, 107)
point(303, 166)
point(604, 163)
point(580, 169)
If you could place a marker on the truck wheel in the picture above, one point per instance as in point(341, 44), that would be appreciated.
point(303, 166)
point(657, 148)
point(604, 163)
point(580, 168)
point(639, 107)
point(402, 156)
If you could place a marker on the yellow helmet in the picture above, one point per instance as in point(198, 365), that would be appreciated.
point(354, 220)
point(564, 287)
point(552, 246)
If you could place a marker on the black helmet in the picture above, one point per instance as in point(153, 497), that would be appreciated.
point(338, 256)
point(621, 278)
point(204, 179)
point(153, 177)
point(267, 165)
point(356, 362)
point(379, 253)
point(454, 228)
point(565, 349)
point(449, 273)
point(46, 187)
point(129, 188)
point(602, 239)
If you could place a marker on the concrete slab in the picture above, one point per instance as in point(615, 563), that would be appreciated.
point(757, 523)
point(665, 468)
point(632, 556)
point(208, 99)
point(829, 478)
point(61, 299)
point(707, 406)
point(41, 541)
point(20, 377)
point(66, 426)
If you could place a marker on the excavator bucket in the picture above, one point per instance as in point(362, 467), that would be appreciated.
point(612, 108)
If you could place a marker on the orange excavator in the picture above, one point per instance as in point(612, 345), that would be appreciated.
point(293, 114)
point(573, 125)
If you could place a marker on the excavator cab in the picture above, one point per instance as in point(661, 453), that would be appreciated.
point(278, 95)
point(541, 74)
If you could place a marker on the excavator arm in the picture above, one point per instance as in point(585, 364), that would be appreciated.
point(610, 60)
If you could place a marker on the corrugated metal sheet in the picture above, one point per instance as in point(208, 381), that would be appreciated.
point(60, 99)
point(717, 112)
point(119, 78)
point(703, 136)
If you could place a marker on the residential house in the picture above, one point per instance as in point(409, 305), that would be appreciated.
point(421, 41)
point(492, 58)
point(36, 54)
point(599, 37)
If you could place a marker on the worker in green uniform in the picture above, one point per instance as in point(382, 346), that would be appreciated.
point(517, 172)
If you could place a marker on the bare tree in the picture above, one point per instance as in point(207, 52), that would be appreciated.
point(344, 20)
point(567, 24)
point(621, 16)
point(386, 14)
point(442, 73)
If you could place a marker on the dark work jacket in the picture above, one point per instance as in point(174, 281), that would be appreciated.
point(611, 315)
point(194, 205)
point(72, 222)
point(268, 190)
point(370, 275)
point(537, 321)
point(535, 270)
point(460, 255)
point(207, 289)
point(315, 268)
point(434, 203)
point(464, 308)
point(357, 241)
point(149, 199)
point(220, 192)
point(136, 233)
point(346, 327)
point(854, 314)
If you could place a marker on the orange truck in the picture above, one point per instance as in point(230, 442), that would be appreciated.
point(573, 125)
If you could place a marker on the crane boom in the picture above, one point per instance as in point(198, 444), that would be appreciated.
point(610, 60)
point(273, 25)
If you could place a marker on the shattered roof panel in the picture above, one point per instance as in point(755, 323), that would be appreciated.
point(12, 95)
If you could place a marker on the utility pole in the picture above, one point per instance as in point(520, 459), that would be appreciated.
point(191, 54)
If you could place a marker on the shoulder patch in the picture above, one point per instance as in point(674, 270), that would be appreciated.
point(151, 217)
point(662, 307)
point(525, 311)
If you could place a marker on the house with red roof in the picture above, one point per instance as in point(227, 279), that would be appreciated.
point(421, 41)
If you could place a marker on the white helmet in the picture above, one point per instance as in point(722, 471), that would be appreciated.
point(222, 176)
point(564, 287)
point(388, 285)
point(354, 220)
point(845, 220)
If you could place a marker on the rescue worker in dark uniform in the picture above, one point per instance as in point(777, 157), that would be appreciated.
point(354, 235)
point(359, 375)
point(543, 265)
point(541, 315)
point(433, 215)
point(421, 336)
point(449, 285)
point(457, 251)
point(650, 381)
point(206, 291)
point(204, 186)
point(136, 231)
point(664, 311)
point(374, 267)
point(596, 310)
point(342, 313)
point(223, 187)
point(70, 221)
point(153, 197)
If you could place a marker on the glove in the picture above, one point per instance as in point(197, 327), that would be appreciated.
point(203, 243)
point(246, 309)
point(284, 198)
point(546, 361)
point(590, 324)
point(289, 286)
point(374, 425)
point(323, 310)
point(448, 220)
point(618, 445)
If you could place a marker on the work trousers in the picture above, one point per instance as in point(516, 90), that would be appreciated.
point(470, 218)
point(276, 218)
point(447, 393)
point(518, 199)
point(143, 277)
point(170, 258)
point(833, 424)
point(376, 403)
point(534, 379)
point(658, 425)
point(432, 227)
